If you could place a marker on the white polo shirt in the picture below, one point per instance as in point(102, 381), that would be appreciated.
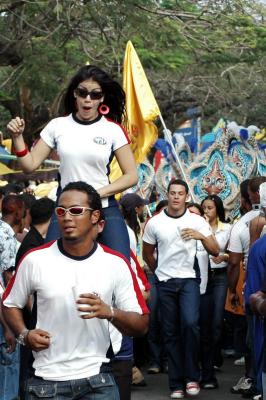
point(176, 257)
point(85, 149)
point(239, 236)
point(78, 347)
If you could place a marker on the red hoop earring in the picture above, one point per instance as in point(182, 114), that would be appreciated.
point(104, 109)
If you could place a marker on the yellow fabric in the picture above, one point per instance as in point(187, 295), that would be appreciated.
point(43, 189)
point(141, 108)
point(8, 144)
point(5, 170)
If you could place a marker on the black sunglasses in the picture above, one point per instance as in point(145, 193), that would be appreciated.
point(94, 95)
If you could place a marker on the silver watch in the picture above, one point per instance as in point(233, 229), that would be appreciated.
point(22, 336)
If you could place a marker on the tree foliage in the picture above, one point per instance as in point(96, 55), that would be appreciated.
point(209, 53)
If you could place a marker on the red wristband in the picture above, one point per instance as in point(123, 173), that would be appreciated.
point(22, 153)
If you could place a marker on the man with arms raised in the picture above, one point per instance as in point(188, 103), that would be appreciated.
point(175, 232)
point(71, 274)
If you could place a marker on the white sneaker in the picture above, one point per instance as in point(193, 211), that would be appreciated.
point(192, 388)
point(240, 361)
point(243, 384)
point(177, 394)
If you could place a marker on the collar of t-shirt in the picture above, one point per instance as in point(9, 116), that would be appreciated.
point(75, 118)
point(77, 258)
point(172, 216)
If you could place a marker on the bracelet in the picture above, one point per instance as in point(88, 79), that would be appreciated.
point(22, 153)
point(113, 314)
point(21, 339)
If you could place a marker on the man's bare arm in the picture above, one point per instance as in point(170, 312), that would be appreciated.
point(148, 255)
point(36, 339)
point(233, 270)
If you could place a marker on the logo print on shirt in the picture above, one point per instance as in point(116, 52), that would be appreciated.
point(100, 140)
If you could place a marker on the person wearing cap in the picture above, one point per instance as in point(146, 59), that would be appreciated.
point(239, 246)
point(132, 207)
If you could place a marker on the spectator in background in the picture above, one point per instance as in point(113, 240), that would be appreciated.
point(40, 214)
point(212, 302)
point(29, 200)
point(13, 214)
point(238, 247)
point(132, 207)
point(157, 353)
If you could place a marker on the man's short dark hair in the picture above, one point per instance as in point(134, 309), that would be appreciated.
point(11, 203)
point(255, 182)
point(177, 182)
point(29, 200)
point(42, 210)
point(94, 199)
point(13, 188)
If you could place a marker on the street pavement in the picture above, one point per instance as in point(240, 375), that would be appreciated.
point(157, 385)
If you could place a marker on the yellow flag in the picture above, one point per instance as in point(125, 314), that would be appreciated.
point(141, 108)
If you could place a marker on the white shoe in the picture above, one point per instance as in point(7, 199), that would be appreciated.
point(240, 361)
point(243, 384)
point(192, 388)
point(177, 394)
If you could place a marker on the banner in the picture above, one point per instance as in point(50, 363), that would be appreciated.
point(141, 108)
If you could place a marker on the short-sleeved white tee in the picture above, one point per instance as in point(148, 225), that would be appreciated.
point(222, 236)
point(176, 257)
point(78, 347)
point(85, 149)
point(239, 236)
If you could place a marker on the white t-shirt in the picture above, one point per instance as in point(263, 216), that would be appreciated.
point(176, 257)
point(78, 347)
point(222, 235)
point(239, 236)
point(85, 149)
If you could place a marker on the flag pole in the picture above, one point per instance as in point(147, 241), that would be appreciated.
point(169, 140)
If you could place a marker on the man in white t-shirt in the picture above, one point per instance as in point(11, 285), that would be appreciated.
point(174, 232)
point(238, 247)
point(71, 275)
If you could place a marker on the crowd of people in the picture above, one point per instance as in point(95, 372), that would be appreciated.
point(85, 277)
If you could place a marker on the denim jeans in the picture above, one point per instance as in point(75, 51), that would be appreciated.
point(157, 354)
point(98, 387)
point(179, 305)
point(115, 234)
point(211, 321)
point(9, 370)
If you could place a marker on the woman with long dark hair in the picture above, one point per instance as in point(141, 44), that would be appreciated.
point(87, 138)
point(213, 301)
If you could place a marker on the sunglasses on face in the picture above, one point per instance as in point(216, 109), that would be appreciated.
point(94, 95)
point(74, 211)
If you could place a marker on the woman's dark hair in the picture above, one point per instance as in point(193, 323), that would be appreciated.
point(130, 216)
point(198, 206)
point(218, 205)
point(244, 190)
point(114, 95)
